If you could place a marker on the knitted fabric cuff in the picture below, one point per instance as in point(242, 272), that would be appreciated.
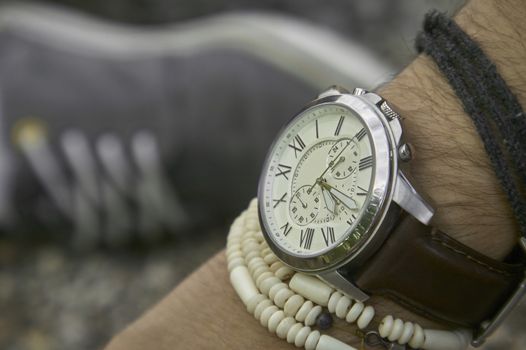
point(487, 99)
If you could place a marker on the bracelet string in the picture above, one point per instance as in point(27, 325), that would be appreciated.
point(494, 109)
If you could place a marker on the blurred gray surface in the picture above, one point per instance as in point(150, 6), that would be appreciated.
point(51, 298)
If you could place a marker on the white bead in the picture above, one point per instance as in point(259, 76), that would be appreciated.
point(293, 304)
point(284, 327)
point(385, 326)
point(282, 296)
point(301, 337)
point(284, 273)
point(270, 258)
point(439, 340)
point(274, 320)
point(313, 314)
point(265, 252)
point(366, 317)
point(329, 343)
point(417, 340)
point(396, 331)
point(266, 314)
point(268, 283)
point(255, 263)
point(304, 311)
point(254, 301)
point(261, 307)
point(234, 254)
point(263, 277)
point(276, 288)
point(333, 301)
point(354, 312)
point(243, 283)
point(252, 254)
point(257, 272)
point(232, 264)
point(275, 266)
point(312, 340)
point(293, 331)
point(407, 333)
point(311, 288)
point(343, 306)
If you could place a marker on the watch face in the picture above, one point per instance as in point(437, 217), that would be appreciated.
point(318, 180)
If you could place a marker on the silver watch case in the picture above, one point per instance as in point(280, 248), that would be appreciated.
point(390, 192)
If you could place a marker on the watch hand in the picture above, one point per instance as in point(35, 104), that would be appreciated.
point(329, 201)
point(340, 196)
point(302, 204)
point(332, 164)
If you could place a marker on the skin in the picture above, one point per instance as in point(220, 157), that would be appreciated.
point(450, 166)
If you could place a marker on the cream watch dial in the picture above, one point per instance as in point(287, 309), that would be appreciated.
point(317, 180)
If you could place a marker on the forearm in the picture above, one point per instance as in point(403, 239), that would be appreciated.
point(451, 166)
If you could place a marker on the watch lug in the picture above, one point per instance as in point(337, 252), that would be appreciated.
point(406, 196)
point(333, 91)
point(359, 91)
point(336, 280)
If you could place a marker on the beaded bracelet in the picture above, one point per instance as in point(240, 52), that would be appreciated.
point(290, 310)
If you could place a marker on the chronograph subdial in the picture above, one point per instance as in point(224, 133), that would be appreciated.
point(338, 204)
point(345, 154)
point(305, 205)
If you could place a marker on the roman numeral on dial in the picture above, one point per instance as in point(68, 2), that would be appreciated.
point(280, 200)
point(328, 235)
point(283, 170)
point(286, 229)
point(365, 162)
point(339, 126)
point(297, 145)
point(306, 237)
point(360, 134)
point(363, 191)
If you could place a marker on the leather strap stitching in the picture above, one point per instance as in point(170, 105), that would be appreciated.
point(438, 239)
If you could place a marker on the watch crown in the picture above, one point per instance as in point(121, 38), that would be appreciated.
point(405, 152)
point(388, 111)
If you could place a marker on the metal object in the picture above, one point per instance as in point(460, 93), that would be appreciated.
point(333, 91)
point(487, 328)
point(388, 111)
point(374, 339)
point(405, 153)
point(376, 204)
point(411, 201)
point(390, 191)
point(336, 280)
point(359, 91)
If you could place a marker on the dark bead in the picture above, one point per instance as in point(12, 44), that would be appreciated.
point(324, 320)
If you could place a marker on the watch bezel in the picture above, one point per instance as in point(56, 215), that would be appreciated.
point(384, 170)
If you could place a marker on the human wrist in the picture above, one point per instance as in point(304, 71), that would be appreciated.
point(451, 165)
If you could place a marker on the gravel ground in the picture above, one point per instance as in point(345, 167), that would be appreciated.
point(51, 298)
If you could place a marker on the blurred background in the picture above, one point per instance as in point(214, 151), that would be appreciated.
point(133, 132)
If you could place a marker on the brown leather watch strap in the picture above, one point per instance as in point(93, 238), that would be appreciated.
point(436, 276)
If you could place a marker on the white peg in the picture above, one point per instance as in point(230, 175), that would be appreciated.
point(441, 340)
point(311, 288)
point(329, 343)
point(243, 283)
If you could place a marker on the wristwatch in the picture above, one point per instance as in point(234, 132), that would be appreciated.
point(335, 200)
